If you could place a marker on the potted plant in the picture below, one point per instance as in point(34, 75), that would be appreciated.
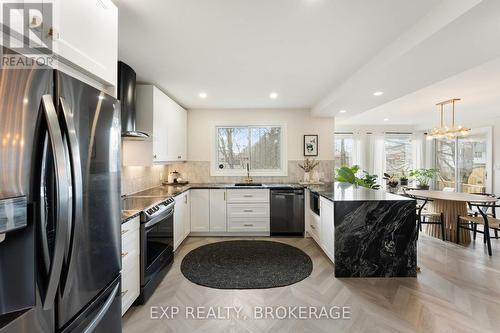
point(403, 179)
point(346, 174)
point(308, 166)
point(423, 177)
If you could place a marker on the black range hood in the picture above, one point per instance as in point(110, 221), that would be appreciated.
point(127, 97)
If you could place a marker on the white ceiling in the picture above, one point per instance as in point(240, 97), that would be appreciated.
point(479, 89)
point(238, 51)
point(452, 52)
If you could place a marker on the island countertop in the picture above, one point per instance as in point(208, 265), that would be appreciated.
point(348, 192)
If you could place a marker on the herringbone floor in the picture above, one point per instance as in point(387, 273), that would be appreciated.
point(458, 290)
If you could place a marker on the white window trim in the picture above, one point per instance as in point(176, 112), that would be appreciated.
point(216, 172)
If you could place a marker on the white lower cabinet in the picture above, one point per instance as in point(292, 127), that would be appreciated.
point(220, 211)
point(200, 210)
point(187, 217)
point(217, 210)
point(182, 221)
point(130, 273)
point(327, 228)
point(248, 210)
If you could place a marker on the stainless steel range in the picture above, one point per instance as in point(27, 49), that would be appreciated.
point(157, 239)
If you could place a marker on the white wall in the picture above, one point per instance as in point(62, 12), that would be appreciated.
point(298, 121)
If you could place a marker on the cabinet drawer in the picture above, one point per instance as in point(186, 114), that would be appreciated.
point(314, 224)
point(247, 195)
point(130, 258)
point(249, 210)
point(130, 286)
point(130, 226)
point(248, 224)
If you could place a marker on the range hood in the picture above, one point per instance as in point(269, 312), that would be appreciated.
point(127, 96)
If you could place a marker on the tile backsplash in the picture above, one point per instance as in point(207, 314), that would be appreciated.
point(135, 179)
point(199, 172)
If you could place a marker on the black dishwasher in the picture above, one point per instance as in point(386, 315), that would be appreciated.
point(287, 212)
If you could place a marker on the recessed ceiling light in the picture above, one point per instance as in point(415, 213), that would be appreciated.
point(273, 95)
point(342, 111)
point(386, 119)
point(378, 93)
point(203, 95)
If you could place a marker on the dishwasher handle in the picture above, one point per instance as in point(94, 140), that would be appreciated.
point(288, 193)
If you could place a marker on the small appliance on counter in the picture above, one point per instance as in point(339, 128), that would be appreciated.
point(174, 178)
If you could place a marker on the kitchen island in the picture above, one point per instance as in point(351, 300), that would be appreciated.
point(374, 231)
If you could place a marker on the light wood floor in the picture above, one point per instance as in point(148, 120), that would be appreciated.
point(458, 290)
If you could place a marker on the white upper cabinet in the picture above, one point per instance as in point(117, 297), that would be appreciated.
point(166, 121)
point(82, 36)
point(85, 33)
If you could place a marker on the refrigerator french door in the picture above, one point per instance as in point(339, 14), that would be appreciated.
point(70, 173)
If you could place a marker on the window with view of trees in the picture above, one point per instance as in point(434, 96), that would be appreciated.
point(398, 152)
point(258, 146)
point(344, 149)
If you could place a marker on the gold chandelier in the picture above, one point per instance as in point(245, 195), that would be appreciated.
point(443, 131)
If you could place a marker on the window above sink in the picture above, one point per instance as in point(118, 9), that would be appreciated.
point(260, 146)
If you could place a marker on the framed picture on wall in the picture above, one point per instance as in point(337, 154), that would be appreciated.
point(310, 145)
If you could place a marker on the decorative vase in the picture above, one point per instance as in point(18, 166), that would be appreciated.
point(315, 176)
point(307, 177)
point(404, 182)
point(423, 187)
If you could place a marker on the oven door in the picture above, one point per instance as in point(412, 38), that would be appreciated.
point(157, 240)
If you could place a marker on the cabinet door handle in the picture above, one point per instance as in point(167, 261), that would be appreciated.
point(186, 199)
point(53, 33)
point(124, 254)
point(154, 156)
point(248, 210)
point(248, 196)
point(124, 292)
point(224, 195)
point(124, 231)
point(248, 225)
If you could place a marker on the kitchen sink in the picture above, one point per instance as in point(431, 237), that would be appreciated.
point(247, 184)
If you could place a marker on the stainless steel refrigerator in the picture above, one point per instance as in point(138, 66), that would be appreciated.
point(60, 173)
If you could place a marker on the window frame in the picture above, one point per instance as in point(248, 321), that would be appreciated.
point(345, 135)
point(216, 172)
point(411, 164)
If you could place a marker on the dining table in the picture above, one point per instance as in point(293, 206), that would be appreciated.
point(452, 205)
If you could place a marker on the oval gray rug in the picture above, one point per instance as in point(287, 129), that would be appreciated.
point(246, 264)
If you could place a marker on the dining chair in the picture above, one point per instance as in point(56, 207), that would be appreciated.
point(489, 210)
point(426, 217)
point(488, 221)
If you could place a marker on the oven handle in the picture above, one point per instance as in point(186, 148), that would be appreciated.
point(164, 215)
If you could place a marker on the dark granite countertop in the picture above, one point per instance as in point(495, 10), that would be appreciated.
point(348, 192)
point(166, 191)
point(127, 215)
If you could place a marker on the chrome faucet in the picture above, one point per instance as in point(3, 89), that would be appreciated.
point(248, 179)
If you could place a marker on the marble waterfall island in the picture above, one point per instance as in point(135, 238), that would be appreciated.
point(375, 232)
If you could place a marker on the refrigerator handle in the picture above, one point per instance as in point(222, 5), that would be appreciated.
point(93, 324)
point(69, 129)
point(61, 177)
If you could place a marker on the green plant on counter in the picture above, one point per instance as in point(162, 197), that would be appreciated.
point(424, 176)
point(346, 174)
